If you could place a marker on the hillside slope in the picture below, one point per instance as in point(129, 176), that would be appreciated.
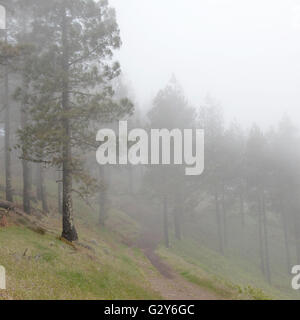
point(124, 260)
point(41, 266)
point(103, 264)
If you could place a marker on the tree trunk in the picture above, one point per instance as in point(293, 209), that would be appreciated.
point(27, 183)
point(8, 184)
point(26, 187)
point(69, 230)
point(266, 242)
point(59, 193)
point(43, 189)
point(25, 164)
point(166, 224)
point(286, 237)
point(224, 215)
point(38, 183)
point(219, 225)
point(260, 236)
point(242, 216)
point(177, 225)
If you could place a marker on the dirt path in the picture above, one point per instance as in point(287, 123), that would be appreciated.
point(176, 288)
point(162, 278)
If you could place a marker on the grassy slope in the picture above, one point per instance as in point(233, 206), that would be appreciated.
point(229, 276)
point(197, 257)
point(207, 269)
point(103, 266)
point(52, 269)
point(99, 267)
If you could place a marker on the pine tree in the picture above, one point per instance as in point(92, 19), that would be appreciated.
point(171, 111)
point(71, 90)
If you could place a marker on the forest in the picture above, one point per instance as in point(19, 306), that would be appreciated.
point(232, 232)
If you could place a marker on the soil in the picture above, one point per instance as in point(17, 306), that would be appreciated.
point(163, 278)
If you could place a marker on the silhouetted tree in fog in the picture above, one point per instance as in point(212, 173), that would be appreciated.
point(171, 111)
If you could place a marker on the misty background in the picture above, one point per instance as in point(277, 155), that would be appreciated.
point(243, 53)
point(72, 67)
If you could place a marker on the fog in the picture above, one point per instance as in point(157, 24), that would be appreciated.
point(160, 139)
point(243, 53)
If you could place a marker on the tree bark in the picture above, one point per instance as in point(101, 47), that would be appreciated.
point(25, 164)
point(266, 240)
point(27, 179)
point(286, 237)
point(43, 189)
point(260, 236)
point(26, 187)
point(69, 230)
point(177, 225)
point(8, 183)
point(242, 216)
point(224, 215)
point(219, 226)
point(38, 183)
point(59, 193)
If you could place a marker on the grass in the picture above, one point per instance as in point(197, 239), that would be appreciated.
point(43, 267)
point(206, 283)
point(228, 276)
point(105, 265)
point(196, 274)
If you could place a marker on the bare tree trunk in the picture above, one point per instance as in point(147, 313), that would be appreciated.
point(242, 216)
point(26, 187)
point(24, 120)
point(260, 235)
point(25, 164)
point(177, 225)
point(166, 224)
point(219, 226)
point(59, 192)
point(286, 237)
point(224, 215)
point(266, 242)
point(69, 231)
point(38, 183)
point(43, 189)
point(8, 184)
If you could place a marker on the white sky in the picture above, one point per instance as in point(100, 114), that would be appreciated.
point(245, 53)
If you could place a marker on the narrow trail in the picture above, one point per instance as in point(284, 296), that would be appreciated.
point(162, 278)
point(148, 242)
